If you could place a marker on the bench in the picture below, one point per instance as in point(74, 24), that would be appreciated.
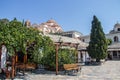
point(28, 66)
point(72, 67)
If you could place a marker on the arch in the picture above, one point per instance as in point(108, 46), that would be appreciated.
point(118, 29)
point(116, 39)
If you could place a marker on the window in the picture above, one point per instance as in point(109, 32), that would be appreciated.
point(118, 29)
point(115, 39)
point(115, 53)
point(70, 35)
point(118, 52)
point(83, 40)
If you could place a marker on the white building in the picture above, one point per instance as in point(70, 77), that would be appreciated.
point(114, 48)
point(72, 34)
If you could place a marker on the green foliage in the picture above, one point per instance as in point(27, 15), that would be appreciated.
point(109, 41)
point(48, 59)
point(66, 56)
point(18, 37)
point(98, 43)
point(34, 45)
point(43, 52)
point(48, 52)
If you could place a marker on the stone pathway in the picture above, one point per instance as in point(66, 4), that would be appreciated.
point(110, 70)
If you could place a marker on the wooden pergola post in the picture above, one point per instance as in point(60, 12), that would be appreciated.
point(16, 58)
point(25, 61)
point(56, 45)
point(25, 58)
point(76, 46)
point(13, 67)
point(16, 61)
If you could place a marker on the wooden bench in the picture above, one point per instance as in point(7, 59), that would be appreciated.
point(73, 67)
point(28, 66)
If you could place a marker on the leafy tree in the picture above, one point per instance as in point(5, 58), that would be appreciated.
point(48, 52)
point(34, 45)
point(18, 37)
point(97, 48)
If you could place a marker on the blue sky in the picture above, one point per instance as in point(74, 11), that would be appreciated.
point(69, 14)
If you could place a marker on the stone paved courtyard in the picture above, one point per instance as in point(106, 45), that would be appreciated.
point(110, 70)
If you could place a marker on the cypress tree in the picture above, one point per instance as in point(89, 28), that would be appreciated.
point(97, 48)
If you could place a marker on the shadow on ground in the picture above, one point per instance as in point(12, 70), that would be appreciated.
point(43, 71)
point(2, 76)
point(39, 71)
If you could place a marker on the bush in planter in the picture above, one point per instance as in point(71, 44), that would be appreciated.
point(66, 56)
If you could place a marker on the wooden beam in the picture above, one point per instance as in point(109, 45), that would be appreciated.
point(25, 58)
point(13, 67)
point(16, 58)
point(56, 45)
point(67, 44)
point(25, 61)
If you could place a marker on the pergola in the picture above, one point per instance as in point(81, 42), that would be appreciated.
point(65, 41)
point(57, 44)
point(58, 41)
